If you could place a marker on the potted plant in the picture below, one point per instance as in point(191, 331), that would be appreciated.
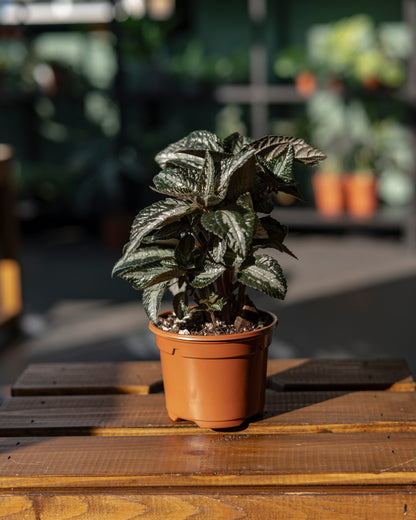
point(328, 190)
point(361, 184)
point(202, 242)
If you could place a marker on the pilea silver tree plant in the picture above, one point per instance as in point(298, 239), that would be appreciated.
point(202, 240)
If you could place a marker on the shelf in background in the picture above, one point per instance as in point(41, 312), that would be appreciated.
point(385, 219)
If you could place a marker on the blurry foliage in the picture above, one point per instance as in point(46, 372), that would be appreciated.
point(352, 111)
point(353, 50)
point(355, 141)
point(69, 79)
point(230, 119)
point(152, 48)
point(81, 146)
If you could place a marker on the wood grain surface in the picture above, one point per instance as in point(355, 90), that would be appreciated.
point(229, 504)
point(141, 377)
point(285, 412)
point(236, 459)
point(343, 374)
point(146, 377)
point(94, 442)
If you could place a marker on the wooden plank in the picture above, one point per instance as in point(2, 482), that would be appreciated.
point(342, 374)
point(146, 377)
point(132, 377)
point(231, 504)
point(285, 412)
point(117, 463)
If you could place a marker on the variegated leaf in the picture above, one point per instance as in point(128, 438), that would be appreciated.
point(152, 299)
point(195, 141)
point(178, 182)
point(207, 275)
point(277, 175)
point(206, 182)
point(235, 142)
point(270, 146)
point(234, 225)
point(265, 275)
point(282, 165)
point(144, 256)
point(159, 213)
point(184, 252)
point(184, 160)
point(217, 249)
point(180, 304)
point(141, 278)
point(238, 175)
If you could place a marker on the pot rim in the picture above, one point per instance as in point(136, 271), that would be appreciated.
point(214, 337)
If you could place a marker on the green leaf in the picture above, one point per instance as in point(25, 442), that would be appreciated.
point(207, 275)
point(206, 182)
point(262, 200)
point(184, 160)
point(178, 182)
point(212, 302)
point(264, 275)
point(165, 236)
point(217, 248)
point(180, 304)
point(160, 213)
point(141, 278)
point(276, 234)
point(152, 298)
point(234, 225)
point(271, 146)
point(277, 175)
point(184, 252)
point(235, 142)
point(194, 143)
point(259, 231)
point(237, 176)
point(144, 256)
point(281, 166)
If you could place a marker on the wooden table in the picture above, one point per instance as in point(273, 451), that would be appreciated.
point(93, 441)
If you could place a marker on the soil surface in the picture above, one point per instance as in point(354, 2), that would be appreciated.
point(196, 325)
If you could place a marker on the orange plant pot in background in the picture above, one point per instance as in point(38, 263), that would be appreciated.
point(329, 193)
point(306, 84)
point(215, 381)
point(361, 195)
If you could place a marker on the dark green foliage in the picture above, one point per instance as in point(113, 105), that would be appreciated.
point(200, 241)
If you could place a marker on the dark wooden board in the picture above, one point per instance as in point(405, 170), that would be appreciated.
point(285, 412)
point(343, 374)
point(146, 377)
point(141, 377)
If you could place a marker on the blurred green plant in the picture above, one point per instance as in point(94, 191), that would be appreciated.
point(353, 50)
point(360, 143)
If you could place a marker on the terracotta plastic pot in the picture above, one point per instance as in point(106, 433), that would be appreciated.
point(215, 381)
point(329, 193)
point(306, 83)
point(361, 195)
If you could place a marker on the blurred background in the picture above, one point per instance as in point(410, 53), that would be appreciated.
point(91, 90)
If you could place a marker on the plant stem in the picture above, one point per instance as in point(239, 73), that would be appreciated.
point(240, 298)
point(213, 318)
point(224, 291)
